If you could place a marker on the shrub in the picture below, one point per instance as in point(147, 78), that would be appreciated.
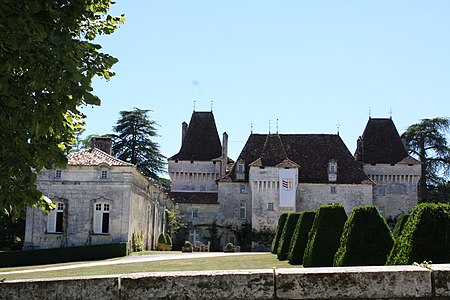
point(229, 246)
point(286, 236)
point(278, 232)
point(168, 242)
point(137, 242)
point(162, 243)
point(60, 255)
point(300, 237)
point(425, 236)
point(399, 225)
point(187, 244)
point(366, 239)
point(324, 237)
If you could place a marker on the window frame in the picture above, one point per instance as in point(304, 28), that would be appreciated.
point(243, 210)
point(55, 219)
point(102, 218)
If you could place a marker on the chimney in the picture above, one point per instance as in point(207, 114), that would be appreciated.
point(102, 143)
point(224, 153)
point(184, 127)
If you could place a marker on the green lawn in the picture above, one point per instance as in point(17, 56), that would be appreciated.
point(232, 262)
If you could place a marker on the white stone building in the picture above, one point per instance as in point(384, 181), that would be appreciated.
point(278, 173)
point(99, 200)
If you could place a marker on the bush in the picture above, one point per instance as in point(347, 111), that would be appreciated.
point(425, 236)
point(399, 225)
point(168, 242)
point(61, 255)
point(300, 237)
point(162, 243)
point(366, 239)
point(286, 236)
point(137, 242)
point(324, 237)
point(278, 232)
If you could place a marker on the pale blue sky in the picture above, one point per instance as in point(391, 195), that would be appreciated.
point(310, 64)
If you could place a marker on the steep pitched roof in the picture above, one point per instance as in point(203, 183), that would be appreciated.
point(201, 141)
point(194, 197)
point(311, 152)
point(380, 143)
point(94, 157)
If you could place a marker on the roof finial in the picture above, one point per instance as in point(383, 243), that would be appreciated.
point(390, 112)
point(212, 102)
point(269, 125)
point(194, 104)
point(338, 125)
point(251, 127)
point(277, 126)
point(370, 113)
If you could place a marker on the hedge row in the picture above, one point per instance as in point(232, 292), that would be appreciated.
point(60, 255)
point(366, 239)
point(401, 221)
point(286, 236)
point(425, 236)
point(324, 237)
point(300, 237)
point(278, 232)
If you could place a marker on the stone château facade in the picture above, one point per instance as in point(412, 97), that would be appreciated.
point(278, 173)
point(99, 200)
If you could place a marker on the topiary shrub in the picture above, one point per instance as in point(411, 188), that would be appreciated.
point(425, 236)
point(399, 225)
point(366, 239)
point(278, 232)
point(168, 242)
point(286, 235)
point(300, 237)
point(324, 237)
point(162, 242)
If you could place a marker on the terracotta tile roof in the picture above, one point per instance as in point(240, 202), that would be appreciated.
point(194, 197)
point(311, 152)
point(94, 157)
point(380, 143)
point(201, 141)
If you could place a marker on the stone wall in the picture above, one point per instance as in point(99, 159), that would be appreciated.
point(194, 176)
point(393, 282)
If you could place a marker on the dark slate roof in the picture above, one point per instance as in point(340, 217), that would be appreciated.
point(201, 141)
point(194, 197)
point(310, 152)
point(380, 143)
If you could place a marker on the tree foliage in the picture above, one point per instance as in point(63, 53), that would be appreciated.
point(134, 142)
point(48, 60)
point(427, 141)
point(173, 220)
point(276, 239)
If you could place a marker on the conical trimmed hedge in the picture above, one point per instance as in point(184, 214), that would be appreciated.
point(300, 237)
point(425, 236)
point(324, 237)
point(276, 240)
point(366, 240)
point(286, 236)
point(399, 225)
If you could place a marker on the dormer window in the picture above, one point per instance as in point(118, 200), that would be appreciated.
point(332, 170)
point(240, 170)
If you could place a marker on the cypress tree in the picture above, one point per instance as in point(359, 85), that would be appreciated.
point(300, 237)
point(286, 236)
point(278, 232)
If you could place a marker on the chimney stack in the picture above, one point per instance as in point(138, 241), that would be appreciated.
point(224, 153)
point(102, 143)
point(184, 127)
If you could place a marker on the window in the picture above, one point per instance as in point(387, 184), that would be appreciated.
point(203, 189)
point(101, 218)
point(242, 189)
point(104, 174)
point(58, 174)
point(55, 219)
point(194, 235)
point(270, 206)
point(195, 213)
point(332, 170)
point(381, 191)
point(333, 190)
point(240, 168)
point(242, 210)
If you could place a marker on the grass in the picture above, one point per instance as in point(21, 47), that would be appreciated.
point(231, 262)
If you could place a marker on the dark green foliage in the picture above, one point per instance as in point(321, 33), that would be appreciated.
point(162, 239)
point(279, 231)
point(12, 232)
point(366, 239)
point(399, 225)
point(135, 143)
point(286, 236)
point(60, 255)
point(425, 236)
point(300, 237)
point(168, 240)
point(324, 237)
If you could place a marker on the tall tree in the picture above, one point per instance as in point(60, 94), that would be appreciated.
point(47, 64)
point(134, 142)
point(427, 141)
